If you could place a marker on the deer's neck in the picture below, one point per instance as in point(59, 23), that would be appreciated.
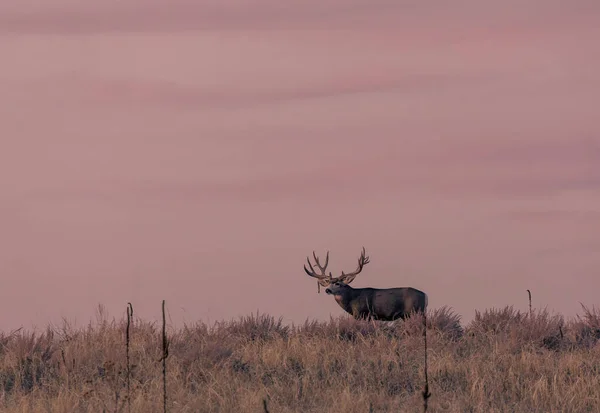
point(344, 298)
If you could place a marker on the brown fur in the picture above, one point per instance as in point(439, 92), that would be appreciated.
point(372, 303)
point(381, 304)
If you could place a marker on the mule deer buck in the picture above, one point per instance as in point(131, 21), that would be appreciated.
point(386, 304)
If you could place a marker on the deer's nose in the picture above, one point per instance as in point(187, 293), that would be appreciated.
point(328, 291)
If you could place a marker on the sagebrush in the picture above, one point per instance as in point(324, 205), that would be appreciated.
point(503, 361)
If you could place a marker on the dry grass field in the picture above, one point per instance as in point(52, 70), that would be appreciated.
point(502, 361)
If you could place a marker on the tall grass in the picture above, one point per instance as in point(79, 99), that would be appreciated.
point(502, 361)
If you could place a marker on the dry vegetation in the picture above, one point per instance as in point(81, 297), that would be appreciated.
point(503, 361)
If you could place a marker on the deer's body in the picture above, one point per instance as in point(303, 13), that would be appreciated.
point(386, 304)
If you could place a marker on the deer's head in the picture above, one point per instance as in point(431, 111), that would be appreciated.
point(333, 284)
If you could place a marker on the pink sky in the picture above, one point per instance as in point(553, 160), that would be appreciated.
point(198, 151)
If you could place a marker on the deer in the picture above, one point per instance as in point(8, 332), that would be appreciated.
point(383, 304)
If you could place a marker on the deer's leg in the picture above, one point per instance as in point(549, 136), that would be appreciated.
point(357, 314)
point(356, 311)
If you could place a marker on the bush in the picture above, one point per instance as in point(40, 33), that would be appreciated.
point(502, 360)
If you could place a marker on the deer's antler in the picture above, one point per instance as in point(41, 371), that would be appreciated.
point(362, 261)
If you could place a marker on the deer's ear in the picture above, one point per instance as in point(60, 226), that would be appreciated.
point(347, 279)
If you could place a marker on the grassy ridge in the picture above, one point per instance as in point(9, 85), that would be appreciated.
point(503, 361)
